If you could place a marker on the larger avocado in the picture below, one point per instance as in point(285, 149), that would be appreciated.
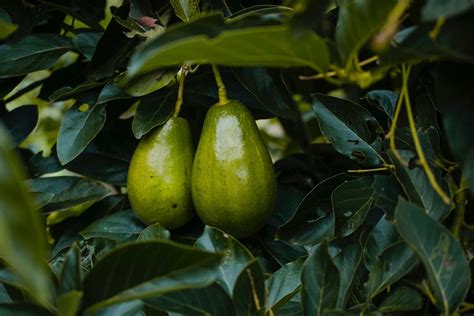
point(159, 177)
point(233, 182)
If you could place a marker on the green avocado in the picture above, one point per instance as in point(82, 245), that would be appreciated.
point(233, 182)
point(159, 177)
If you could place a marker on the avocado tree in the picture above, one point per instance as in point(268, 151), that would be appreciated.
point(365, 207)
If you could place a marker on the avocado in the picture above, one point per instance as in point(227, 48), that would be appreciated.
point(233, 183)
point(159, 177)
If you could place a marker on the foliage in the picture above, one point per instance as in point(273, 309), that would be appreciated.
point(373, 106)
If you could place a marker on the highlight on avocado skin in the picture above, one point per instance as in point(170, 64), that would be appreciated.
point(233, 182)
point(159, 177)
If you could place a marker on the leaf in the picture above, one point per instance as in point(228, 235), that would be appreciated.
point(69, 303)
point(20, 122)
point(254, 87)
point(283, 284)
point(394, 263)
point(385, 100)
point(210, 40)
point(315, 209)
point(129, 308)
point(236, 256)
point(347, 259)
point(441, 254)
point(387, 190)
point(86, 43)
point(348, 127)
point(154, 232)
point(80, 124)
point(70, 279)
point(147, 83)
point(32, 53)
point(22, 309)
point(379, 239)
point(141, 270)
point(320, 281)
point(59, 193)
point(22, 238)
point(120, 227)
point(211, 300)
point(418, 188)
point(185, 9)
point(249, 291)
point(88, 12)
point(111, 92)
point(68, 92)
point(307, 16)
point(153, 110)
point(352, 201)
point(358, 21)
point(6, 28)
point(402, 299)
point(434, 9)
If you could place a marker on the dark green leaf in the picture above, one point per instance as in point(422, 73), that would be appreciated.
point(86, 43)
point(349, 127)
point(418, 188)
point(22, 309)
point(68, 92)
point(154, 232)
point(80, 124)
point(59, 193)
point(307, 15)
point(69, 303)
point(380, 238)
point(130, 308)
point(387, 190)
point(22, 235)
point(211, 300)
point(441, 254)
point(401, 299)
point(185, 9)
point(283, 284)
point(6, 27)
point(153, 110)
point(219, 43)
point(20, 122)
point(236, 256)
point(71, 274)
point(385, 100)
point(435, 9)
point(249, 291)
point(395, 262)
point(32, 53)
point(120, 226)
point(111, 92)
point(147, 83)
point(352, 200)
point(320, 281)
point(90, 12)
point(145, 269)
point(358, 21)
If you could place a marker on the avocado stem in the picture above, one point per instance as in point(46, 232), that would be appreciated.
point(179, 99)
point(222, 92)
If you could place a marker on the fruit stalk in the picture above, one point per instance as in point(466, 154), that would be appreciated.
point(222, 92)
point(179, 99)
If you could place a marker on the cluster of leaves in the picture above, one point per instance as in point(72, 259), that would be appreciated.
point(358, 227)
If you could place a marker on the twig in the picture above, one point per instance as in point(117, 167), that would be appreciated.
point(335, 73)
point(254, 290)
point(460, 201)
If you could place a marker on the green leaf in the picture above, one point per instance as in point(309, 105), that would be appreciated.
point(185, 9)
point(380, 238)
point(313, 219)
point(358, 21)
point(394, 263)
point(434, 9)
point(80, 124)
point(352, 200)
point(120, 227)
point(401, 299)
point(387, 190)
point(20, 122)
point(22, 235)
point(60, 193)
point(111, 92)
point(211, 40)
point(86, 43)
point(418, 188)
point(32, 53)
point(441, 254)
point(141, 270)
point(147, 83)
point(347, 259)
point(236, 256)
point(154, 232)
point(70, 278)
point(320, 281)
point(385, 100)
point(68, 92)
point(211, 300)
point(152, 111)
point(346, 125)
point(283, 284)
point(69, 303)
point(249, 291)
point(6, 28)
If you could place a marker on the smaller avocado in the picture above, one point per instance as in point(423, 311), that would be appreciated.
point(159, 177)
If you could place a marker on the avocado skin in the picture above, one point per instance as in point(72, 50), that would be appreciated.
point(159, 177)
point(233, 181)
